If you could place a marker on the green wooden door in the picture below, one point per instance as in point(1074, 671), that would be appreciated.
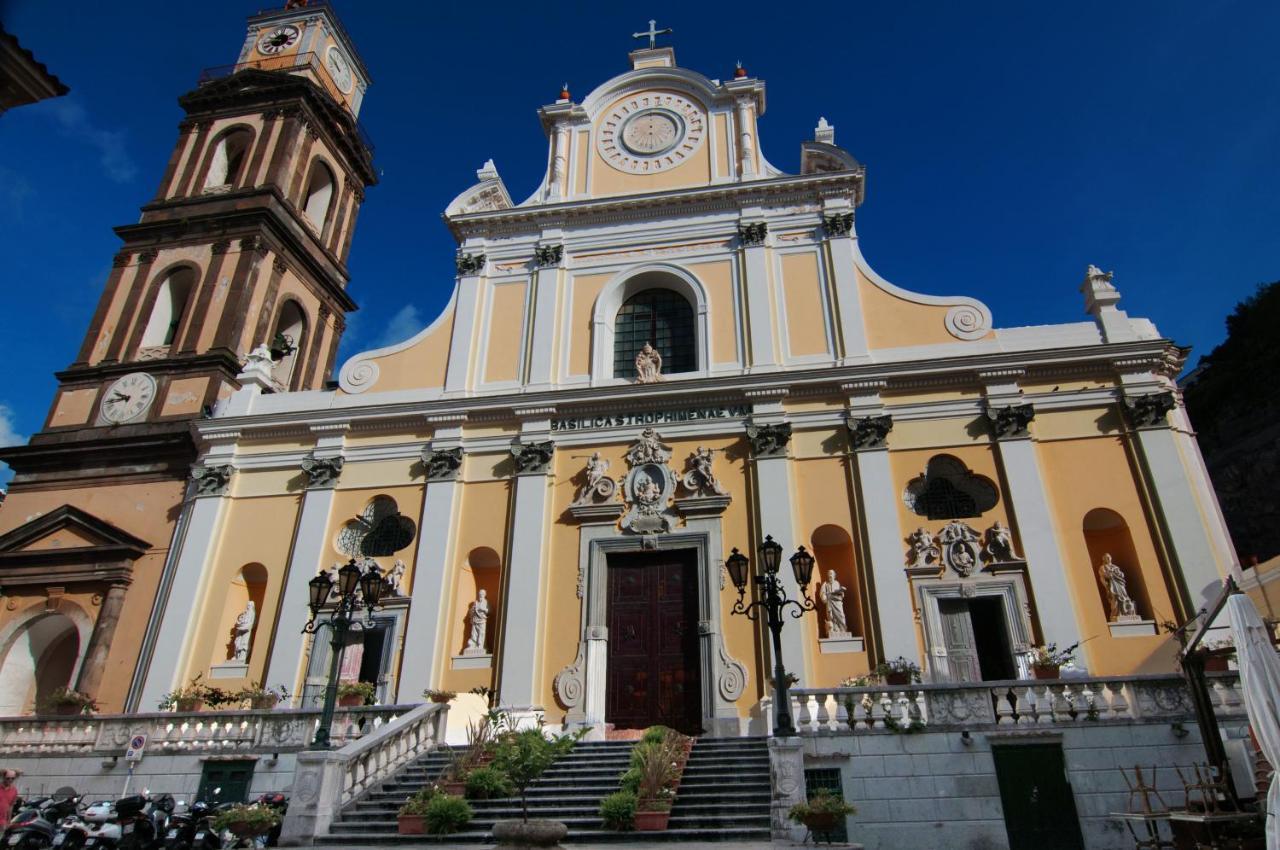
point(1039, 808)
point(225, 781)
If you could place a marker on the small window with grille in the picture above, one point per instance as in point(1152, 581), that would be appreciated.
point(662, 318)
point(827, 779)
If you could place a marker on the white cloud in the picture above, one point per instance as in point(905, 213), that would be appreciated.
point(404, 324)
point(74, 120)
point(9, 436)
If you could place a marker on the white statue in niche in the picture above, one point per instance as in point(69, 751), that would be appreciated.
point(478, 615)
point(648, 365)
point(831, 594)
point(242, 630)
point(1119, 603)
point(395, 578)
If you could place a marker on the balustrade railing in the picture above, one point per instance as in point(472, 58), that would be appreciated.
point(267, 731)
point(1021, 703)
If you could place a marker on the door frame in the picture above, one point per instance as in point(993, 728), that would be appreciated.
point(580, 687)
point(1010, 588)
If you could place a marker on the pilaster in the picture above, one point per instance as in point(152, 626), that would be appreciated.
point(470, 262)
point(753, 235)
point(548, 261)
point(838, 224)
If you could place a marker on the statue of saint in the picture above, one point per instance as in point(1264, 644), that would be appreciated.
point(701, 479)
point(599, 487)
point(395, 578)
point(479, 617)
point(831, 594)
point(242, 630)
point(648, 365)
point(1000, 543)
point(924, 551)
point(1119, 603)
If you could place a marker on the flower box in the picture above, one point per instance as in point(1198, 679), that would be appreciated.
point(652, 821)
point(351, 701)
point(187, 704)
point(1218, 660)
point(895, 677)
point(1045, 671)
point(410, 824)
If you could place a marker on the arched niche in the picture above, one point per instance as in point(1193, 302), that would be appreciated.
point(1106, 533)
point(227, 159)
point(625, 286)
point(249, 585)
point(319, 195)
point(482, 570)
point(833, 550)
point(291, 325)
point(42, 654)
point(168, 308)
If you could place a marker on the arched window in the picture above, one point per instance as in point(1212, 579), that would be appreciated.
point(950, 490)
point(227, 161)
point(170, 304)
point(664, 319)
point(319, 193)
point(291, 328)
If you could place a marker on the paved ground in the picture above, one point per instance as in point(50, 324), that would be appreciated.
point(638, 845)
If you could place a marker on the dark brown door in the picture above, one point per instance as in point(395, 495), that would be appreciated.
point(653, 642)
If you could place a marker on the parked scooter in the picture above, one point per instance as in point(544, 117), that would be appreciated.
point(190, 829)
point(279, 802)
point(34, 826)
point(125, 826)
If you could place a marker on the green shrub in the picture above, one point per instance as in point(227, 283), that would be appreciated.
point(655, 734)
point(486, 783)
point(416, 803)
point(822, 802)
point(640, 753)
point(262, 819)
point(631, 780)
point(618, 811)
point(445, 814)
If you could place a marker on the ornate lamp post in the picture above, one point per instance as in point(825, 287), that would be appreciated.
point(774, 599)
point(354, 590)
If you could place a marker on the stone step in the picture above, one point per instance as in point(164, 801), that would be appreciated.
point(726, 835)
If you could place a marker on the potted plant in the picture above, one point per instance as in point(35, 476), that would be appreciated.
point(352, 694)
point(246, 821)
point(898, 671)
point(190, 697)
point(822, 813)
point(446, 813)
point(67, 702)
point(523, 756)
point(409, 818)
point(488, 783)
point(438, 696)
point(1047, 661)
point(1218, 655)
point(260, 698)
point(656, 765)
point(618, 811)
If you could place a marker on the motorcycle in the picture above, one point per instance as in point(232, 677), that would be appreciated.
point(190, 829)
point(35, 825)
point(124, 826)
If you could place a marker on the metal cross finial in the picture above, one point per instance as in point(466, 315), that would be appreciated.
point(652, 34)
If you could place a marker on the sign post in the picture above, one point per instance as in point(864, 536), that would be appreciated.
point(132, 755)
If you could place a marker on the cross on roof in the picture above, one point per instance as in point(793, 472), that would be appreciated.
point(652, 34)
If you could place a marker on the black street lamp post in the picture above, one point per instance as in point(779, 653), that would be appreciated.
point(773, 596)
point(354, 590)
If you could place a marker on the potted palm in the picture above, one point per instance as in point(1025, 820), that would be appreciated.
point(351, 694)
point(1047, 661)
point(822, 813)
point(67, 702)
point(898, 671)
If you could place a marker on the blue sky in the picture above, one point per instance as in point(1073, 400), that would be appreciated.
point(1007, 145)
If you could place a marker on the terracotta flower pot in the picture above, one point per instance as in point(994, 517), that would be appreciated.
point(1045, 671)
point(351, 701)
point(822, 821)
point(186, 705)
point(410, 824)
point(652, 821)
point(264, 703)
point(897, 678)
point(69, 709)
point(454, 788)
point(1217, 662)
point(247, 830)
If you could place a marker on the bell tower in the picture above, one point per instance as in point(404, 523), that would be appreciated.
point(245, 244)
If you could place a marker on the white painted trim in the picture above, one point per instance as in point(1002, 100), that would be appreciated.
point(891, 590)
point(968, 318)
point(434, 570)
point(525, 580)
point(626, 284)
point(360, 373)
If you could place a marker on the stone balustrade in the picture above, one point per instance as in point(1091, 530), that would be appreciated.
point(1021, 703)
point(214, 732)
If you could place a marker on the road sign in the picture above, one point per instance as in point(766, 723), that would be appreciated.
point(137, 744)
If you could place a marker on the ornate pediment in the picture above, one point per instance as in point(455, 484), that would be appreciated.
point(68, 544)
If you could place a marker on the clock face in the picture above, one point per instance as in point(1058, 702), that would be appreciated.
point(280, 38)
point(650, 132)
point(128, 398)
point(339, 69)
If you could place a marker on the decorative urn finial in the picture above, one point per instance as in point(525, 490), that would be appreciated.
point(739, 72)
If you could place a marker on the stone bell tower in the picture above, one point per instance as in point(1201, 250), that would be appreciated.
point(244, 245)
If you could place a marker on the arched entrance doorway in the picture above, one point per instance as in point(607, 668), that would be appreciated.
point(41, 656)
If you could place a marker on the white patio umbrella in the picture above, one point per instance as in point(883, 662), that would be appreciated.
point(1260, 682)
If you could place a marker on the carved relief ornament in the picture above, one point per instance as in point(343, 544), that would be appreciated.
point(212, 480)
point(322, 471)
point(1148, 410)
point(441, 464)
point(869, 432)
point(769, 440)
point(839, 224)
point(1011, 420)
point(533, 458)
point(649, 487)
point(470, 263)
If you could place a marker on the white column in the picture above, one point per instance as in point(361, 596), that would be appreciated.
point(425, 649)
point(1029, 503)
point(457, 374)
point(853, 335)
point(758, 303)
point(180, 609)
point(773, 502)
point(546, 284)
point(878, 498)
point(522, 620)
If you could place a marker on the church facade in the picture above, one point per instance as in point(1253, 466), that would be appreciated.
point(669, 351)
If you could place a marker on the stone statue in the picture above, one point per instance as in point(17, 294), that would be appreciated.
point(648, 365)
point(1119, 603)
point(924, 552)
point(831, 593)
point(479, 617)
point(700, 480)
point(244, 628)
point(395, 578)
point(999, 547)
point(599, 486)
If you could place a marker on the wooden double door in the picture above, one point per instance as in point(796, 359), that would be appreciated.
point(654, 665)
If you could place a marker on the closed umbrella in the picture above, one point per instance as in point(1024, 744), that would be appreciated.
point(1260, 681)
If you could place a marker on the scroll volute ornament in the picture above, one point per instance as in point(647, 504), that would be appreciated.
point(212, 480)
point(869, 432)
point(1011, 420)
point(769, 440)
point(441, 464)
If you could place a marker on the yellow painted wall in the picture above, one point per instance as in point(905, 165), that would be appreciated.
point(506, 325)
point(892, 322)
point(717, 277)
point(184, 396)
point(586, 289)
point(806, 325)
point(722, 141)
point(73, 407)
point(421, 366)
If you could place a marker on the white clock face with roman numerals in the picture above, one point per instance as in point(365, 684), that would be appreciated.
point(339, 69)
point(278, 39)
point(128, 398)
point(651, 132)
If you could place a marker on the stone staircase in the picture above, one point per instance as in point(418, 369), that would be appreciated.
point(724, 796)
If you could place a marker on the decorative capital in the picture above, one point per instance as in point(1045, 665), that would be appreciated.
point(148, 256)
point(753, 233)
point(1011, 420)
point(533, 458)
point(253, 243)
point(869, 432)
point(470, 263)
point(1146, 411)
point(838, 224)
point(271, 114)
point(322, 471)
point(212, 480)
point(441, 464)
point(221, 246)
point(279, 265)
point(548, 255)
point(769, 440)
point(121, 259)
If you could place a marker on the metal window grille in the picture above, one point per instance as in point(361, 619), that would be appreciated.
point(827, 779)
point(662, 318)
point(941, 499)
